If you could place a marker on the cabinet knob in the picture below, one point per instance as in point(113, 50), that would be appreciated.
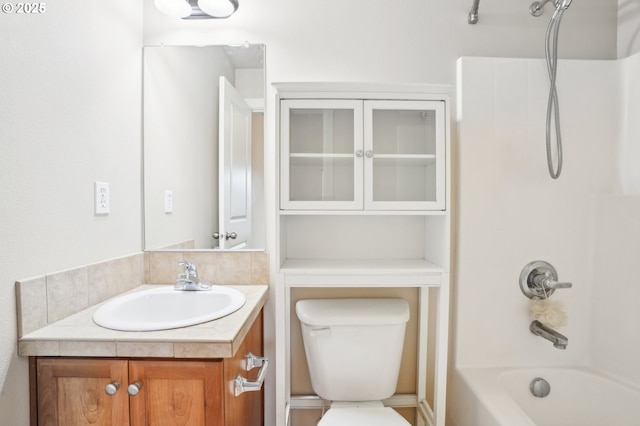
point(216, 235)
point(369, 153)
point(231, 235)
point(359, 153)
point(112, 388)
point(134, 388)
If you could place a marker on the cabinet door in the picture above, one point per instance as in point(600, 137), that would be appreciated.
point(177, 393)
point(72, 392)
point(404, 147)
point(321, 154)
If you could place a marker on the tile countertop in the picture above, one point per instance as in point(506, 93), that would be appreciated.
point(78, 335)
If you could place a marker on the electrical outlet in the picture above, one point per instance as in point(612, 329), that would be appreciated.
point(168, 201)
point(102, 198)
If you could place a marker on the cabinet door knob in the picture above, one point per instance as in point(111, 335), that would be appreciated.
point(216, 235)
point(134, 388)
point(112, 388)
point(369, 153)
point(359, 153)
point(231, 235)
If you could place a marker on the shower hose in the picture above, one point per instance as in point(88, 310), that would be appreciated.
point(551, 55)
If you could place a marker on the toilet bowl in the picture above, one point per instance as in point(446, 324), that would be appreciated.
point(368, 414)
point(354, 350)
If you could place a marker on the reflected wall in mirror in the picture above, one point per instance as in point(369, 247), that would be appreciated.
point(194, 99)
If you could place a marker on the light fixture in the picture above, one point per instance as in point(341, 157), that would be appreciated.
point(218, 8)
point(197, 9)
point(174, 8)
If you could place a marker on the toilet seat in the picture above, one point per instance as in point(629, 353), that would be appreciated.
point(362, 416)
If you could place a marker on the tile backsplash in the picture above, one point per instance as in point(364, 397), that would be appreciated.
point(46, 299)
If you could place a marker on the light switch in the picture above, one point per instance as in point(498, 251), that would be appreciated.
point(168, 201)
point(102, 198)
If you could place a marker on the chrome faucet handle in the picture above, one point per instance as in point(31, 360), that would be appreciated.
point(190, 269)
point(555, 285)
point(540, 279)
point(545, 280)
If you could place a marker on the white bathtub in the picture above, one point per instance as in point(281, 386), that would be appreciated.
point(578, 397)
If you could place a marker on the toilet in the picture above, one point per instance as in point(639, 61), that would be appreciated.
point(354, 350)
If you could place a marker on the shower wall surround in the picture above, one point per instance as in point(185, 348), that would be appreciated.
point(511, 212)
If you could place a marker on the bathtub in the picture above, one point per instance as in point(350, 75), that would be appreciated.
point(578, 397)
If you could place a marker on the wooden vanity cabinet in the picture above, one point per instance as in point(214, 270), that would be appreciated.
point(72, 391)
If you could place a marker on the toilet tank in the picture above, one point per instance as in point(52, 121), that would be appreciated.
point(353, 346)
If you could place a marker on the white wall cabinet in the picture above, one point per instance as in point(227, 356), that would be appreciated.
point(364, 209)
point(362, 154)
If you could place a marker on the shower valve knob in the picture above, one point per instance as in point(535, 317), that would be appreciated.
point(540, 279)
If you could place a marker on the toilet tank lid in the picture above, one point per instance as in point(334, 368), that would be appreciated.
point(369, 311)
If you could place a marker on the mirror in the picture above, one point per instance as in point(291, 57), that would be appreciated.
point(194, 97)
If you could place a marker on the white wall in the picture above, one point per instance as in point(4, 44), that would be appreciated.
point(70, 106)
point(615, 346)
point(70, 113)
point(628, 27)
point(511, 212)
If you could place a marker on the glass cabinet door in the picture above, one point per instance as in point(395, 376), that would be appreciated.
point(321, 154)
point(404, 155)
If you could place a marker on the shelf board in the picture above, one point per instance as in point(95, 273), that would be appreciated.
point(318, 160)
point(361, 266)
point(363, 212)
point(319, 155)
point(403, 160)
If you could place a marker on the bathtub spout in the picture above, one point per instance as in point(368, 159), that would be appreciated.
point(559, 341)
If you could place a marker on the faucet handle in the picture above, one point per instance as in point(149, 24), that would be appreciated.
point(555, 285)
point(190, 269)
point(546, 280)
point(540, 279)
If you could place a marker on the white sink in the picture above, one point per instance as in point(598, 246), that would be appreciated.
point(163, 308)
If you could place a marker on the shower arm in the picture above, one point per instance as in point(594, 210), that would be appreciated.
point(473, 13)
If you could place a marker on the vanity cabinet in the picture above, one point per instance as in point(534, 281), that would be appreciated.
point(73, 392)
point(138, 392)
point(362, 154)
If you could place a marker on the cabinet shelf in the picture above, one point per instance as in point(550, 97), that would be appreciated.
point(336, 160)
point(363, 212)
point(407, 160)
point(359, 266)
point(361, 272)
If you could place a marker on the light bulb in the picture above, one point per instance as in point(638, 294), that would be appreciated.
point(174, 8)
point(218, 8)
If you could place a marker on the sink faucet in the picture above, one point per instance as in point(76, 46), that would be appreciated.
point(559, 341)
point(188, 280)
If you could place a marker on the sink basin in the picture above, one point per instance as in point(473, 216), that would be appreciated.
point(165, 308)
